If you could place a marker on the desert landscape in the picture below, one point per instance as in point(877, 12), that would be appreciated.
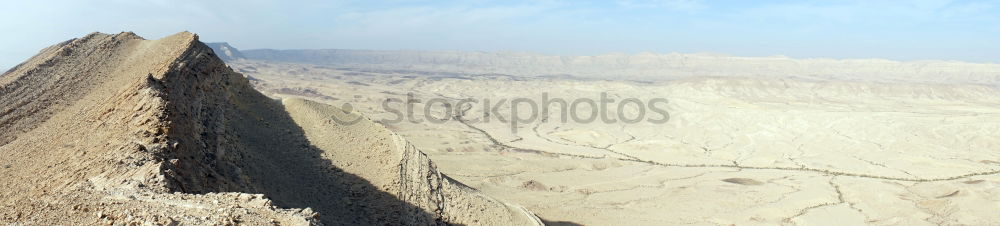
point(116, 129)
point(749, 141)
point(500, 113)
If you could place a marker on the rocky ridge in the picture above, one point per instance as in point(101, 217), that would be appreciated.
point(117, 129)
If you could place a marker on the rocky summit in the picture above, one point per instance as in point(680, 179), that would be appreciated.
point(116, 129)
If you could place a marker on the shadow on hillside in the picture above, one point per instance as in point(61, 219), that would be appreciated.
point(287, 168)
point(559, 223)
point(254, 146)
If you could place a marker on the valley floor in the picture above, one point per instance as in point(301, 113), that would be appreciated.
point(734, 151)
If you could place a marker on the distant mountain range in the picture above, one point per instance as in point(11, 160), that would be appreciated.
point(642, 66)
point(225, 51)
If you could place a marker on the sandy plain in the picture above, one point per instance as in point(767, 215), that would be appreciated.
point(737, 150)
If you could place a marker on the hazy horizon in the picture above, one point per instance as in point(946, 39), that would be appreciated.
point(894, 30)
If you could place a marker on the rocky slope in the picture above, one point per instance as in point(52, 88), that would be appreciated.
point(118, 129)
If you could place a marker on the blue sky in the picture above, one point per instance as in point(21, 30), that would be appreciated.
point(966, 30)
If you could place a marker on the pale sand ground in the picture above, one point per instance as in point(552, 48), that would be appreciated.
point(735, 151)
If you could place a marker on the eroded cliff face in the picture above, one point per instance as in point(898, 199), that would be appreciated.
point(392, 164)
point(115, 128)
